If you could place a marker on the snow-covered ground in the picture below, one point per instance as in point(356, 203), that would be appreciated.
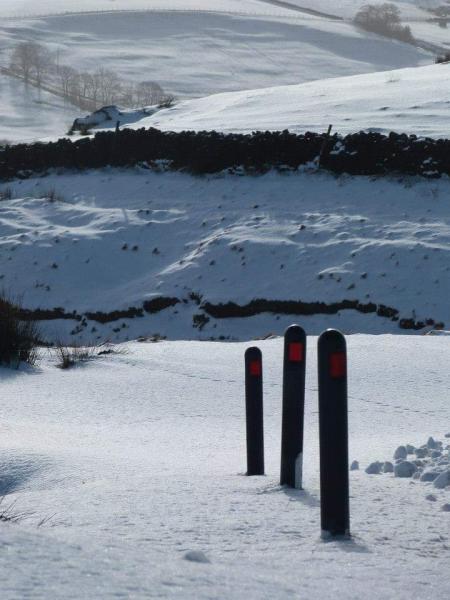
point(405, 100)
point(193, 53)
point(139, 459)
point(24, 8)
point(27, 114)
point(114, 239)
point(195, 48)
point(412, 9)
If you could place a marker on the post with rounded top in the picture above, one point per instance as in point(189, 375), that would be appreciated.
point(293, 407)
point(333, 430)
point(254, 411)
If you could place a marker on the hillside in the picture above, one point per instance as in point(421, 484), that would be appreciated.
point(139, 253)
point(194, 52)
point(193, 48)
point(412, 101)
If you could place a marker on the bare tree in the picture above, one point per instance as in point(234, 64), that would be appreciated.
point(149, 93)
point(41, 61)
point(128, 94)
point(66, 75)
point(22, 60)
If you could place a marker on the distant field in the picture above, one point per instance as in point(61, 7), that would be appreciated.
point(27, 114)
point(198, 53)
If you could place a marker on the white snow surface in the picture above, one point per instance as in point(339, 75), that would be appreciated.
point(413, 100)
point(24, 8)
point(193, 53)
point(27, 114)
point(193, 48)
point(112, 239)
point(138, 459)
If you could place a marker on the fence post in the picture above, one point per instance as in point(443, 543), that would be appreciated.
point(254, 411)
point(333, 429)
point(293, 407)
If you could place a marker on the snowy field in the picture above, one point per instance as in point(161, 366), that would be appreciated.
point(194, 53)
point(27, 114)
point(193, 48)
point(412, 9)
point(113, 239)
point(138, 462)
point(413, 101)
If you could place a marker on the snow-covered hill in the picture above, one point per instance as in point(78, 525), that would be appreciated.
point(137, 460)
point(108, 240)
point(414, 101)
point(194, 48)
point(192, 53)
point(410, 9)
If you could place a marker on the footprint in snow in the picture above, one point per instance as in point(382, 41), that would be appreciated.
point(196, 556)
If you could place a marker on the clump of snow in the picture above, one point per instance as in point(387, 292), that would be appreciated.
point(429, 475)
point(432, 444)
point(354, 466)
point(443, 480)
point(196, 556)
point(405, 469)
point(374, 468)
point(431, 467)
point(401, 452)
point(421, 452)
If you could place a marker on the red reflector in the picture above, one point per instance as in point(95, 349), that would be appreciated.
point(338, 364)
point(296, 352)
point(255, 368)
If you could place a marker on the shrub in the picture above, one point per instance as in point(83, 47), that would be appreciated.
point(19, 337)
point(443, 58)
point(383, 19)
point(69, 356)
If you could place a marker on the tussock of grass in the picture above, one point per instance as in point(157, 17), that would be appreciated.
point(19, 338)
point(6, 194)
point(9, 514)
point(70, 356)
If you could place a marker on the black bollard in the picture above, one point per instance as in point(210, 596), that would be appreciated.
point(333, 429)
point(293, 407)
point(254, 411)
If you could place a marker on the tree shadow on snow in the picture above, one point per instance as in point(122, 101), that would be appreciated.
point(302, 496)
point(346, 544)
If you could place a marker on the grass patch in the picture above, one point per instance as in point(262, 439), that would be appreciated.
point(19, 338)
point(70, 356)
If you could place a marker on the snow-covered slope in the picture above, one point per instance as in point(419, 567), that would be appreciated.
point(193, 53)
point(109, 240)
point(138, 461)
point(24, 8)
point(412, 101)
point(410, 9)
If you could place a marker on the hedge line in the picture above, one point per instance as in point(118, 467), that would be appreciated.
point(210, 152)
